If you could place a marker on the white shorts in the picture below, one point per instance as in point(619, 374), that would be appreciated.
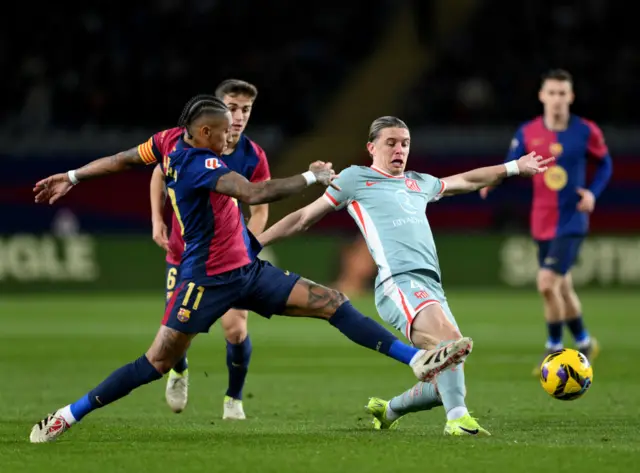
point(401, 297)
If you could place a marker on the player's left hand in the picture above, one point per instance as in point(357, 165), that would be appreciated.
point(52, 188)
point(532, 164)
point(160, 235)
point(587, 200)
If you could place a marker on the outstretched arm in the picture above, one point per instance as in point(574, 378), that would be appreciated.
point(471, 181)
point(56, 186)
point(296, 222)
point(158, 196)
point(254, 193)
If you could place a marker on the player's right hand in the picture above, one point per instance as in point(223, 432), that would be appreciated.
point(532, 164)
point(160, 235)
point(324, 173)
point(52, 188)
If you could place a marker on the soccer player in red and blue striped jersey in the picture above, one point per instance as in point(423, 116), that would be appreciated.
point(220, 268)
point(247, 158)
point(562, 202)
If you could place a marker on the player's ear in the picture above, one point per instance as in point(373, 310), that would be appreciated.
point(370, 148)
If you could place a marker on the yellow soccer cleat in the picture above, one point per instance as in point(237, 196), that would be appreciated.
point(378, 409)
point(465, 425)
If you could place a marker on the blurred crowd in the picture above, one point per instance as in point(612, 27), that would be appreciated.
point(116, 64)
point(125, 64)
point(489, 72)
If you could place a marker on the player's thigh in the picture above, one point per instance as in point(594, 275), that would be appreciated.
point(234, 325)
point(171, 277)
point(194, 308)
point(276, 291)
point(167, 348)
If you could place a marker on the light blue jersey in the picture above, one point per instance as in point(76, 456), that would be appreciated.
point(391, 212)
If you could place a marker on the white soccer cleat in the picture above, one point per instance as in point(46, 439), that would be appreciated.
point(429, 363)
point(177, 391)
point(49, 429)
point(232, 409)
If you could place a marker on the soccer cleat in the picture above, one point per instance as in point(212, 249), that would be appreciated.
point(429, 363)
point(232, 409)
point(591, 351)
point(465, 425)
point(177, 391)
point(378, 409)
point(49, 429)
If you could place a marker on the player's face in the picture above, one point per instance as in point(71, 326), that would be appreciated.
point(215, 134)
point(391, 150)
point(556, 96)
point(240, 106)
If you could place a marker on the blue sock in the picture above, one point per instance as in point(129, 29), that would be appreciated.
point(578, 330)
point(117, 385)
point(370, 334)
point(238, 357)
point(182, 365)
point(554, 331)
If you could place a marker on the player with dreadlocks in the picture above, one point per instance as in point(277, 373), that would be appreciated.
point(219, 267)
point(247, 158)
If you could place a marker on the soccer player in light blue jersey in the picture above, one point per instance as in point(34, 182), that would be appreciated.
point(389, 206)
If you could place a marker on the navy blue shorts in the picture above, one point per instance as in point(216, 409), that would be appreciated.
point(259, 287)
point(171, 276)
point(559, 254)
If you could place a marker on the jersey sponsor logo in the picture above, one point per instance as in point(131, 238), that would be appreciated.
point(555, 149)
point(184, 315)
point(412, 184)
point(556, 178)
point(212, 163)
point(421, 294)
point(404, 200)
point(371, 183)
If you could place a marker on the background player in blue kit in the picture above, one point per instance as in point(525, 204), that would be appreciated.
point(562, 202)
point(247, 158)
point(219, 265)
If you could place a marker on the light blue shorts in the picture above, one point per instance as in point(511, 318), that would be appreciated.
point(401, 297)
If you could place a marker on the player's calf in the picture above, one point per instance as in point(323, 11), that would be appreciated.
point(550, 288)
point(166, 349)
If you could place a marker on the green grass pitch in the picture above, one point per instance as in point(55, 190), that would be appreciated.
point(305, 394)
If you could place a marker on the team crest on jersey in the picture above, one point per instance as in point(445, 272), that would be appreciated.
point(556, 178)
point(212, 163)
point(555, 149)
point(421, 294)
point(412, 184)
point(184, 315)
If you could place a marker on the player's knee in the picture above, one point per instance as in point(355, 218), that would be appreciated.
point(549, 283)
point(162, 364)
point(234, 326)
point(329, 304)
point(566, 286)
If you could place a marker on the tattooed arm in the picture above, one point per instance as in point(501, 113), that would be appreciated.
point(253, 193)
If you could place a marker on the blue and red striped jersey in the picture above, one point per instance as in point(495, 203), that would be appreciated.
point(216, 239)
point(247, 159)
point(555, 197)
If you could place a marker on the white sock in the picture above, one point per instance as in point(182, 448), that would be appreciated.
point(413, 358)
point(554, 346)
point(66, 414)
point(584, 343)
point(457, 412)
point(391, 414)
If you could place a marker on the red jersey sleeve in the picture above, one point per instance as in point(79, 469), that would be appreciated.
point(261, 173)
point(149, 151)
point(596, 147)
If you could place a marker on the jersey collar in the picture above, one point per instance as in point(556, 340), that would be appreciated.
point(386, 174)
